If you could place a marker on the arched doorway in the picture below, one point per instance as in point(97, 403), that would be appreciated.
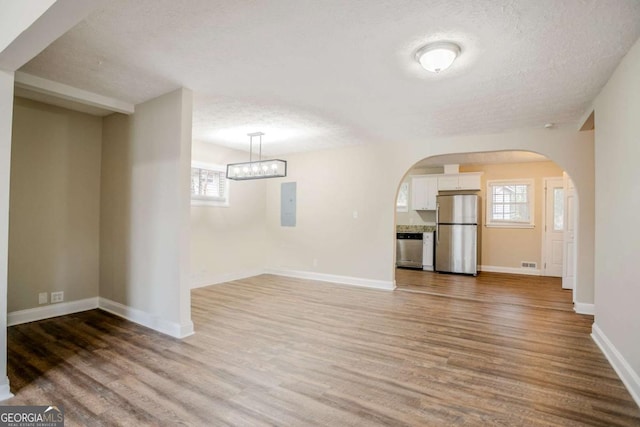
point(532, 233)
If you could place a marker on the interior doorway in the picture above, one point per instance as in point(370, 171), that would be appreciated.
point(570, 235)
point(525, 214)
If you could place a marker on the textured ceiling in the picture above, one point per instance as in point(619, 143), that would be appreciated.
point(319, 74)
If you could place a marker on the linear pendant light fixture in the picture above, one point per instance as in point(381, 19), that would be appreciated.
point(438, 56)
point(259, 169)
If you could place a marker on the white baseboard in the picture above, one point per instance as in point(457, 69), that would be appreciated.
point(51, 310)
point(510, 270)
point(568, 282)
point(137, 316)
point(344, 280)
point(226, 277)
point(583, 308)
point(5, 392)
point(629, 377)
point(148, 320)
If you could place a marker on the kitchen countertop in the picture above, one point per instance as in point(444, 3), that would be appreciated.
point(415, 228)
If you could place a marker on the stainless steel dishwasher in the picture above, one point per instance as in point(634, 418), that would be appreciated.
point(409, 250)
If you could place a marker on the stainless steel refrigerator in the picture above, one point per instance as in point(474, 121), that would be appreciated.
point(457, 218)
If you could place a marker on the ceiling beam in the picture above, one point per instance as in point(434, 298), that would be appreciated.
point(70, 93)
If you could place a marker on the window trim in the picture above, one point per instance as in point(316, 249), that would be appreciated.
point(205, 201)
point(510, 224)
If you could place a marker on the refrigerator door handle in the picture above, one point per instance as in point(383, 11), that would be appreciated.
point(437, 224)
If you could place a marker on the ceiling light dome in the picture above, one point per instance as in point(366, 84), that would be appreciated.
point(438, 56)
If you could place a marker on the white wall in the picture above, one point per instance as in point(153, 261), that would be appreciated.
point(6, 113)
point(144, 230)
point(617, 129)
point(55, 204)
point(333, 184)
point(508, 247)
point(228, 243)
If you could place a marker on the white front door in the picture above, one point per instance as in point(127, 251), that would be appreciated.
point(569, 272)
point(552, 262)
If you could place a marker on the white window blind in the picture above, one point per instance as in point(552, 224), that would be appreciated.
point(510, 203)
point(209, 185)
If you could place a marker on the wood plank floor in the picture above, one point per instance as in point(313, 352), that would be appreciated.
point(279, 351)
point(530, 291)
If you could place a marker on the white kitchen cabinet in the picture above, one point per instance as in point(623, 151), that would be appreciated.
point(469, 181)
point(424, 190)
point(448, 182)
point(427, 250)
point(463, 181)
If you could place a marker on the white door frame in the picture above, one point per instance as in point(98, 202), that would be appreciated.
point(571, 234)
point(543, 258)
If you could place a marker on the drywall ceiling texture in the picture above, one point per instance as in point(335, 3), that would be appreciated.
point(316, 75)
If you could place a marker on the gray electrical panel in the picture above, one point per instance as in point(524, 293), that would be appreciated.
point(288, 204)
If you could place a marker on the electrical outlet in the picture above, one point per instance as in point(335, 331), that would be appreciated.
point(43, 298)
point(57, 297)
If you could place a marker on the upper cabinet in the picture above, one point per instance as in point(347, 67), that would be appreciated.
point(462, 181)
point(424, 189)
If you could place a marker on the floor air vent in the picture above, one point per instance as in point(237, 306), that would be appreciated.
point(528, 264)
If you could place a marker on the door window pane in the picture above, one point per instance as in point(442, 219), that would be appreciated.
point(558, 209)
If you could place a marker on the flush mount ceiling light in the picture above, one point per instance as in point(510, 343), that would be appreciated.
point(259, 169)
point(438, 56)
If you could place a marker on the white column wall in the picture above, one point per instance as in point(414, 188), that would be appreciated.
point(6, 117)
point(145, 216)
point(617, 289)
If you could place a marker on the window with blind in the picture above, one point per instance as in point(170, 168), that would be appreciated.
point(402, 203)
point(209, 185)
point(510, 203)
